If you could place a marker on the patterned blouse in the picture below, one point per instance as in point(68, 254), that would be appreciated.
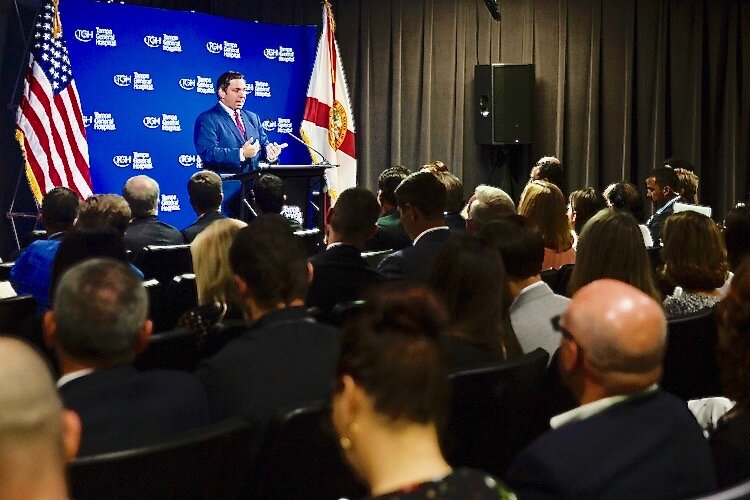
point(681, 303)
point(460, 484)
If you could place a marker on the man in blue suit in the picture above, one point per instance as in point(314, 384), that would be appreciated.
point(230, 139)
point(628, 438)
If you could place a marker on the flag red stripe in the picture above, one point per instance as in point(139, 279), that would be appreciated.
point(348, 144)
point(83, 164)
point(40, 134)
point(316, 112)
point(52, 137)
point(36, 169)
point(78, 160)
point(62, 151)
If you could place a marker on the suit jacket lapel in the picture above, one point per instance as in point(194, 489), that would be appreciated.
point(228, 122)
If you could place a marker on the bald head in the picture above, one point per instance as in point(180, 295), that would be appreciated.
point(34, 428)
point(621, 333)
point(142, 194)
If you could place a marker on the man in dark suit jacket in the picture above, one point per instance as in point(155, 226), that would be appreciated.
point(662, 188)
point(390, 234)
point(142, 194)
point(228, 138)
point(286, 357)
point(628, 438)
point(340, 274)
point(206, 194)
point(421, 201)
point(97, 327)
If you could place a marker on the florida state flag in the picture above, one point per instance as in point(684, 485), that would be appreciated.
point(328, 124)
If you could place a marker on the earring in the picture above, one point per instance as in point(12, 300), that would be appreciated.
point(344, 441)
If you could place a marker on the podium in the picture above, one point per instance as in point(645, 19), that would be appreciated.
point(307, 177)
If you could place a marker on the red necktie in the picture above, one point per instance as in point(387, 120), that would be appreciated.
point(238, 121)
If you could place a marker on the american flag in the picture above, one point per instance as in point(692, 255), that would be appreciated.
point(49, 121)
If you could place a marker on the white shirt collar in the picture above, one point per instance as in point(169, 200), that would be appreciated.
point(667, 205)
point(438, 228)
point(590, 409)
point(228, 109)
point(72, 376)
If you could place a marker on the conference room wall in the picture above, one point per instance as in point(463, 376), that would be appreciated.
point(620, 84)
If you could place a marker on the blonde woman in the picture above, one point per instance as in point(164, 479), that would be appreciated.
point(543, 205)
point(217, 297)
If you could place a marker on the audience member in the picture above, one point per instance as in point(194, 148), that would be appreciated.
point(37, 436)
point(470, 280)
point(391, 397)
point(285, 357)
point(104, 210)
point(31, 272)
point(611, 246)
point(97, 326)
point(534, 303)
point(675, 162)
point(662, 188)
point(340, 274)
point(583, 204)
point(549, 169)
point(730, 442)
point(628, 438)
point(454, 195)
point(624, 197)
point(206, 194)
point(737, 235)
point(142, 194)
point(391, 234)
point(688, 185)
point(695, 261)
point(268, 198)
point(487, 204)
point(217, 295)
point(543, 205)
point(421, 200)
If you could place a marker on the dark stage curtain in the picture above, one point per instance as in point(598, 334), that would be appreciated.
point(620, 84)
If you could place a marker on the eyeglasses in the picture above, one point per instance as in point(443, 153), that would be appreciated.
point(555, 321)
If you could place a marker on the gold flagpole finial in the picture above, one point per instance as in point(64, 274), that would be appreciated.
point(57, 24)
point(329, 11)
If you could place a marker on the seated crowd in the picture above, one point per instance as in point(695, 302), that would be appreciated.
point(414, 289)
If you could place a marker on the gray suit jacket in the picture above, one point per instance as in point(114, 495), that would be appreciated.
point(530, 315)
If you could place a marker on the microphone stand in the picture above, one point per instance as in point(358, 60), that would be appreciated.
point(323, 161)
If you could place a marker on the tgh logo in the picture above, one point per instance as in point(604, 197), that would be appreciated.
point(187, 83)
point(152, 121)
point(123, 80)
point(214, 47)
point(122, 161)
point(84, 35)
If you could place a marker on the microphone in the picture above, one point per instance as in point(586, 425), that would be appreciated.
point(323, 161)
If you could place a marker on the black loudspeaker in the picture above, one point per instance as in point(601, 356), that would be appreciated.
point(504, 110)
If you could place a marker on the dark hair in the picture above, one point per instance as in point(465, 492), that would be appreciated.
point(60, 206)
point(678, 162)
point(271, 259)
point(223, 82)
point(666, 177)
point(104, 210)
point(611, 246)
point(391, 349)
point(388, 181)
point(83, 243)
point(552, 171)
point(624, 196)
point(355, 214)
point(100, 307)
point(268, 193)
point(585, 203)
point(694, 254)
point(454, 191)
point(204, 190)
point(423, 191)
point(521, 248)
point(733, 349)
point(470, 279)
point(737, 235)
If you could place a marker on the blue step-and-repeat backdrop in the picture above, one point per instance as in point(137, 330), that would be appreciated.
point(145, 74)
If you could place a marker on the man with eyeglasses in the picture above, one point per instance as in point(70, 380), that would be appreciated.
point(627, 438)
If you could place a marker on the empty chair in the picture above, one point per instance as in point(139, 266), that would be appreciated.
point(491, 417)
point(163, 262)
point(690, 368)
point(14, 311)
point(300, 458)
point(313, 240)
point(176, 349)
point(213, 463)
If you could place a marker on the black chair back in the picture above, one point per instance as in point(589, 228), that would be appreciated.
point(164, 262)
point(180, 296)
point(491, 417)
point(213, 463)
point(176, 349)
point(5, 268)
point(312, 239)
point(300, 458)
point(14, 312)
point(373, 259)
point(690, 367)
point(343, 311)
point(557, 279)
